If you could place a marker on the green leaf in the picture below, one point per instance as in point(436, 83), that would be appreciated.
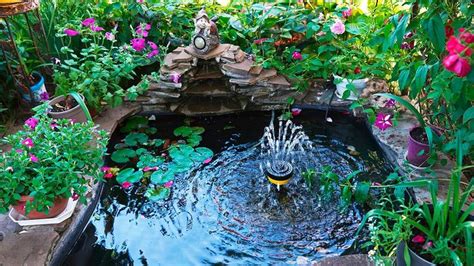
point(419, 81)
point(403, 79)
point(160, 177)
point(134, 123)
point(202, 154)
point(353, 28)
point(183, 131)
point(198, 130)
point(133, 139)
point(123, 156)
point(158, 194)
point(129, 175)
point(362, 192)
point(468, 114)
point(435, 29)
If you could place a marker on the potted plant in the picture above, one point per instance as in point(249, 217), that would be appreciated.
point(420, 138)
point(441, 232)
point(71, 106)
point(49, 162)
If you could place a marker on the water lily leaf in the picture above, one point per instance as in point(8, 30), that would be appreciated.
point(123, 156)
point(183, 131)
point(150, 161)
point(141, 151)
point(198, 130)
point(202, 154)
point(119, 146)
point(134, 123)
point(130, 175)
point(158, 142)
point(160, 177)
point(157, 194)
point(194, 140)
point(151, 130)
point(133, 139)
point(180, 168)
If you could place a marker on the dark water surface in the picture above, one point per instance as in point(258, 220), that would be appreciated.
point(225, 212)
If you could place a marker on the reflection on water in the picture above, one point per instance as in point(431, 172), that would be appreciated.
point(226, 211)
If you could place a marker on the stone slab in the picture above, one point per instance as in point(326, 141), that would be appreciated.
point(242, 68)
point(221, 48)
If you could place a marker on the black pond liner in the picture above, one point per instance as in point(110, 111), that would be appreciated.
point(225, 212)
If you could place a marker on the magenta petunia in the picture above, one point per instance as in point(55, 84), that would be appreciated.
point(148, 169)
point(105, 169)
point(152, 54)
point(347, 13)
point(138, 44)
point(33, 158)
point(383, 121)
point(32, 122)
point(96, 28)
point(153, 45)
point(297, 56)
point(108, 175)
point(71, 32)
point(142, 30)
point(28, 142)
point(126, 185)
point(390, 103)
point(88, 22)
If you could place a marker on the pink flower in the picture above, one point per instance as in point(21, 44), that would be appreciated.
point(428, 245)
point(96, 28)
point(19, 151)
point(376, 184)
point(454, 46)
point(105, 169)
point(153, 45)
point(140, 1)
point(126, 185)
point(458, 65)
point(207, 161)
point(108, 175)
point(147, 169)
point(109, 36)
point(53, 125)
point(32, 122)
point(338, 27)
point(408, 45)
point(168, 184)
point(418, 239)
point(44, 96)
point(88, 22)
point(383, 121)
point(260, 41)
point(152, 54)
point(71, 32)
point(466, 36)
point(143, 30)
point(295, 111)
point(75, 196)
point(297, 56)
point(175, 77)
point(138, 44)
point(390, 103)
point(28, 142)
point(33, 158)
point(347, 13)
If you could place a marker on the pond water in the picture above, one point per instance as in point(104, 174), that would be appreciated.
point(225, 211)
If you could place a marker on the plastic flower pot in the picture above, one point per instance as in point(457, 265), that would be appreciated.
point(418, 151)
point(341, 87)
point(58, 207)
point(76, 113)
point(415, 259)
point(37, 89)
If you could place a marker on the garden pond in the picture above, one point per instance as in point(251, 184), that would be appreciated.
point(184, 204)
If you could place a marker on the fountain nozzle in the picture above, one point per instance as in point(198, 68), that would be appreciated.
point(279, 172)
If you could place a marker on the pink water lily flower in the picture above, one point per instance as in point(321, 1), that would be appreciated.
point(148, 169)
point(109, 36)
point(297, 56)
point(383, 121)
point(207, 161)
point(88, 22)
point(126, 185)
point(138, 44)
point(28, 142)
point(32, 123)
point(338, 27)
point(33, 158)
point(175, 77)
point(168, 184)
point(71, 32)
point(295, 111)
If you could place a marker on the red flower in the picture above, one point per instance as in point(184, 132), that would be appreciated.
point(454, 46)
point(449, 31)
point(260, 41)
point(466, 36)
point(418, 239)
point(126, 185)
point(75, 196)
point(295, 111)
point(109, 175)
point(347, 13)
point(297, 56)
point(357, 70)
point(458, 65)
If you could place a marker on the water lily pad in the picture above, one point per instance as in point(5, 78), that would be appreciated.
point(149, 160)
point(194, 140)
point(160, 177)
point(158, 142)
point(151, 130)
point(123, 155)
point(141, 151)
point(133, 139)
point(134, 123)
point(157, 194)
point(183, 131)
point(119, 146)
point(129, 175)
point(201, 154)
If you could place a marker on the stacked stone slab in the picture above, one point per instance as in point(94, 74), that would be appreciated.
point(232, 73)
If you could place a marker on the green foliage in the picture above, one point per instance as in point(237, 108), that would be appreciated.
point(66, 154)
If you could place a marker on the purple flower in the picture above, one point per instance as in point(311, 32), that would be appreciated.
point(88, 22)
point(44, 96)
point(383, 121)
point(297, 56)
point(390, 103)
point(152, 54)
point(32, 122)
point(96, 28)
point(138, 44)
point(153, 45)
point(338, 27)
point(71, 32)
point(33, 158)
point(109, 36)
point(28, 142)
point(175, 77)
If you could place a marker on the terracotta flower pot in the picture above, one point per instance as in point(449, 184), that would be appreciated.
point(415, 259)
point(59, 206)
point(76, 113)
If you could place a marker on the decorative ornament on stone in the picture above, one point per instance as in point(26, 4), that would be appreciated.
point(206, 36)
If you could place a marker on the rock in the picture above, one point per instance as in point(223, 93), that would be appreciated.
point(221, 48)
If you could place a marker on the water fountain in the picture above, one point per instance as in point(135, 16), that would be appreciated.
point(281, 147)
